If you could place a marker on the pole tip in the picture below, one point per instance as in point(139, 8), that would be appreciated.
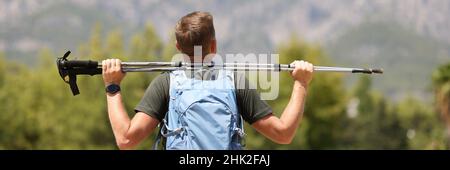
point(378, 71)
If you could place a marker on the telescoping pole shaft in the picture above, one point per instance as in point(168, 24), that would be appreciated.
point(316, 68)
point(171, 66)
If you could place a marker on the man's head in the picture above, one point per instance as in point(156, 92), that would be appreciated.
point(196, 29)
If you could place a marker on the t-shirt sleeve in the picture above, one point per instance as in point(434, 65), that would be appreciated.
point(250, 105)
point(156, 98)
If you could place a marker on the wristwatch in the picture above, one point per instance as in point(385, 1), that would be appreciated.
point(112, 88)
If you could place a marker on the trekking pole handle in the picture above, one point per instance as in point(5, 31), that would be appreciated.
point(79, 64)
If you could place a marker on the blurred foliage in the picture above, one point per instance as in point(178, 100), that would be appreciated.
point(398, 49)
point(39, 112)
point(441, 82)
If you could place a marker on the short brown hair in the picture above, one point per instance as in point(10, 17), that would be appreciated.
point(195, 29)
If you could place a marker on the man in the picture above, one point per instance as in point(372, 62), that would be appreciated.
point(197, 29)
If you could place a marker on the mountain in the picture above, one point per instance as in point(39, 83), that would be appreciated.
point(400, 35)
point(408, 58)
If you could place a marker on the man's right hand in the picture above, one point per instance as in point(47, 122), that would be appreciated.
point(112, 71)
point(302, 72)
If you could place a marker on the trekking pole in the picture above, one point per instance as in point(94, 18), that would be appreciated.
point(276, 67)
point(69, 70)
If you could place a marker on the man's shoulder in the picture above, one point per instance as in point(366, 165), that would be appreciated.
point(160, 82)
point(163, 77)
point(164, 74)
point(241, 82)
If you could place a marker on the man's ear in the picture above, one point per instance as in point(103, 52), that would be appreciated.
point(213, 47)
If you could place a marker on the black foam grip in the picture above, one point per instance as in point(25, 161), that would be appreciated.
point(80, 63)
point(83, 71)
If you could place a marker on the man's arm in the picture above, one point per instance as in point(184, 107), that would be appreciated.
point(128, 133)
point(282, 130)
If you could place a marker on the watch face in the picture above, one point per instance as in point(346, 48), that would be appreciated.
point(113, 88)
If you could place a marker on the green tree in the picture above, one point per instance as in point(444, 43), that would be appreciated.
point(114, 45)
point(425, 130)
point(146, 45)
point(441, 83)
point(2, 69)
point(375, 125)
point(14, 120)
point(324, 104)
point(169, 49)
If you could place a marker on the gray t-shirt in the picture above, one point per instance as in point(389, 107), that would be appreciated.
point(156, 98)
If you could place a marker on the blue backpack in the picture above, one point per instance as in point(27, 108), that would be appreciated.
point(202, 114)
